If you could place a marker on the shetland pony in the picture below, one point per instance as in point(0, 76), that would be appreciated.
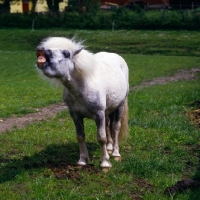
point(95, 86)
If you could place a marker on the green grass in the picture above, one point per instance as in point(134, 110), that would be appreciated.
point(185, 43)
point(147, 67)
point(171, 43)
point(163, 146)
point(22, 89)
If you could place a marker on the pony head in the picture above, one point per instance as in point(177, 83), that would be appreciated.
point(55, 56)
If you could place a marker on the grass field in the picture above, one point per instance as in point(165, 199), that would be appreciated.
point(39, 161)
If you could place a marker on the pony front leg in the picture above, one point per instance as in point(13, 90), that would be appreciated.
point(101, 137)
point(84, 157)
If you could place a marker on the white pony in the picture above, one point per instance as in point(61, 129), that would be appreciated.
point(95, 86)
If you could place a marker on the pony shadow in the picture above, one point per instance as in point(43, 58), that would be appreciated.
point(52, 156)
point(192, 184)
point(195, 194)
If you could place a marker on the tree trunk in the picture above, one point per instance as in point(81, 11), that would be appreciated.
point(34, 2)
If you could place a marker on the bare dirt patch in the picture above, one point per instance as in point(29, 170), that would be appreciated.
point(41, 114)
point(181, 75)
point(195, 117)
point(73, 172)
point(45, 113)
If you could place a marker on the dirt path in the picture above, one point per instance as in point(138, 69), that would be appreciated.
point(52, 110)
point(42, 114)
point(181, 75)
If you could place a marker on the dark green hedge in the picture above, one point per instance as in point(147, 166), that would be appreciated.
point(122, 18)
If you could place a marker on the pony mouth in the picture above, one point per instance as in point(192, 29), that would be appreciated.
point(40, 58)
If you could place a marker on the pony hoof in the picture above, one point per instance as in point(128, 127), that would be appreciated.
point(81, 163)
point(117, 158)
point(109, 152)
point(106, 169)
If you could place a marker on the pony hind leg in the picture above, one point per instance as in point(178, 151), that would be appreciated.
point(109, 145)
point(84, 156)
point(115, 127)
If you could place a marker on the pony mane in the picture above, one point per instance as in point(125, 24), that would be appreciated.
point(84, 61)
point(61, 43)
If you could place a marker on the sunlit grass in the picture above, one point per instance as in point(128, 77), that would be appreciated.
point(122, 41)
point(163, 146)
point(22, 88)
point(146, 67)
point(158, 151)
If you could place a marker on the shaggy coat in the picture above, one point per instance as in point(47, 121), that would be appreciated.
point(95, 86)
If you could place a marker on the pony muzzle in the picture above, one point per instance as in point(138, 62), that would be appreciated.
point(40, 57)
point(40, 61)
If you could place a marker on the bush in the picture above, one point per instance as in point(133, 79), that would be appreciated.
point(123, 18)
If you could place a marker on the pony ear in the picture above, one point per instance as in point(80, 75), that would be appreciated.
point(77, 51)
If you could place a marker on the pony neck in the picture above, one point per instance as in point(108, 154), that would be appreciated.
point(82, 71)
point(84, 64)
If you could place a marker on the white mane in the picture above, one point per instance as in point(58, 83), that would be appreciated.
point(61, 43)
point(84, 61)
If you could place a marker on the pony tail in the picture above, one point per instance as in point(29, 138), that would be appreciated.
point(124, 131)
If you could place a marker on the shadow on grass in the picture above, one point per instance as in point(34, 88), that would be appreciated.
point(192, 184)
point(195, 194)
point(53, 156)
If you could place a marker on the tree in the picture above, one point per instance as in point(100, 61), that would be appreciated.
point(53, 5)
point(5, 5)
point(34, 2)
point(83, 5)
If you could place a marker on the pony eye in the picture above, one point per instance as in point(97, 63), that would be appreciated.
point(66, 53)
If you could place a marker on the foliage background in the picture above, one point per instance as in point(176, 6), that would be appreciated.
point(121, 18)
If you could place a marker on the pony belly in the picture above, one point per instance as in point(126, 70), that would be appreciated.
point(116, 96)
point(110, 109)
point(113, 104)
point(83, 111)
point(82, 108)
